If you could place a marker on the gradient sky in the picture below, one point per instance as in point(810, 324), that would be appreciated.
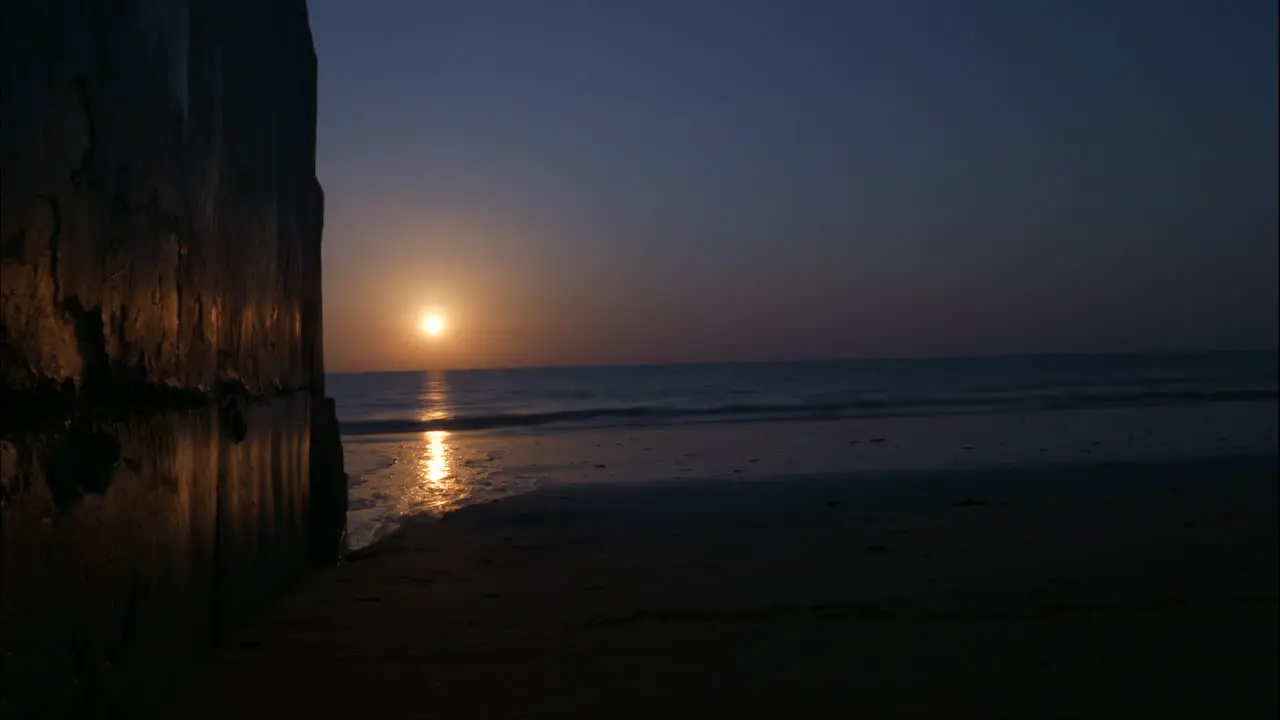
point(633, 181)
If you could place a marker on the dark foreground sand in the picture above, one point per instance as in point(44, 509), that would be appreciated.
point(1121, 590)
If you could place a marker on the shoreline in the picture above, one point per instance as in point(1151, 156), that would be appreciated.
point(432, 473)
point(1005, 480)
point(1115, 589)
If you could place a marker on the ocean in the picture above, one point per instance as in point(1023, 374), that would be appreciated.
point(426, 443)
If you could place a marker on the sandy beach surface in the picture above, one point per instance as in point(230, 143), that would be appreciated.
point(1089, 588)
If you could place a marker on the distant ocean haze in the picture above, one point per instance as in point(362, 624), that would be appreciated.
point(551, 398)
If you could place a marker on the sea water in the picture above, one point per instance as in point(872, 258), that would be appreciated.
point(426, 443)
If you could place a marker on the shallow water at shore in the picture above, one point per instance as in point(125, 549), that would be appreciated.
point(436, 472)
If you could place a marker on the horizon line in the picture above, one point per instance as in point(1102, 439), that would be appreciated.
point(881, 358)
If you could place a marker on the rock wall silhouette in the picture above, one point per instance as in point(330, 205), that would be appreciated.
point(168, 461)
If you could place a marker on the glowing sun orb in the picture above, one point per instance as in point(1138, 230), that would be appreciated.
point(433, 325)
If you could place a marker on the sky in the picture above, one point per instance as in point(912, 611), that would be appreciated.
point(580, 182)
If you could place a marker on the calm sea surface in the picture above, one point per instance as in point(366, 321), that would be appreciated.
point(429, 442)
point(554, 398)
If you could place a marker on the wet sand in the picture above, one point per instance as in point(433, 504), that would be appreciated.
point(1117, 589)
point(438, 472)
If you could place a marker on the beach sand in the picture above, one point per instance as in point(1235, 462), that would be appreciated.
point(1120, 589)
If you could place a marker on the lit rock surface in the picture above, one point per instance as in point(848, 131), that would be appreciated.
point(167, 458)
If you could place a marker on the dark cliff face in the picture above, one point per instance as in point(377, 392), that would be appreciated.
point(161, 213)
point(167, 458)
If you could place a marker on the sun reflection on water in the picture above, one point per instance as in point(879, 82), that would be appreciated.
point(437, 483)
point(433, 399)
point(427, 473)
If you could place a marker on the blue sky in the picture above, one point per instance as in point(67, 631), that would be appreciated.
point(576, 182)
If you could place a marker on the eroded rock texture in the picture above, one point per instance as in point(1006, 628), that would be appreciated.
point(167, 458)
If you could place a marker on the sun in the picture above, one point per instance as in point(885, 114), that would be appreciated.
point(433, 325)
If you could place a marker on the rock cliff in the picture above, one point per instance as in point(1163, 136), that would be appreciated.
point(168, 460)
